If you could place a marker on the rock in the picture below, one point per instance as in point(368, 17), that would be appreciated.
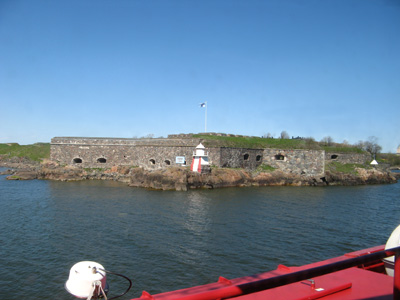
point(118, 169)
point(183, 179)
point(23, 175)
point(166, 179)
point(61, 173)
point(7, 172)
point(363, 176)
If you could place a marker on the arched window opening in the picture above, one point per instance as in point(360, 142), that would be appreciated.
point(279, 157)
point(77, 160)
point(334, 156)
point(101, 160)
point(152, 161)
point(246, 157)
point(167, 162)
point(258, 157)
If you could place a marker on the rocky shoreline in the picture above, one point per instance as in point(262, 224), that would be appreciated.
point(182, 179)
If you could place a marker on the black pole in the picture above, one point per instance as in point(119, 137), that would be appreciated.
point(263, 284)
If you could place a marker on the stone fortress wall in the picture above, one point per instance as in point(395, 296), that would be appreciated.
point(347, 158)
point(157, 153)
point(108, 152)
point(303, 162)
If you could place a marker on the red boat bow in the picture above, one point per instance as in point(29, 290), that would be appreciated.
point(354, 276)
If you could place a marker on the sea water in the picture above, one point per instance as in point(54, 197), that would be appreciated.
point(165, 240)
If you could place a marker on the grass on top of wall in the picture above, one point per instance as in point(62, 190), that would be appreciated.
point(252, 142)
point(261, 143)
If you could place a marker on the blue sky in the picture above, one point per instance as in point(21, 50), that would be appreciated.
point(312, 68)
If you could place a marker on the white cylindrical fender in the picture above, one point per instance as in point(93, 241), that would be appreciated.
point(82, 278)
point(392, 242)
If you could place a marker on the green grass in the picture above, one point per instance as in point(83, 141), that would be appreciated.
point(344, 168)
point(95, 169)
point(35, 152)
point(261, 143)
point(265, 168)
point(342, 149)
point(388, 158)
point(250, 142)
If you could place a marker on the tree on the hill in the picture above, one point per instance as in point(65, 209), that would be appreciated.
point(284, 135)
point(372, 146)
point(328, 141)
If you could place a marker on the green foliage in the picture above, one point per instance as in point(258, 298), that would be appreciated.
point(265, 168)
point(388, 158)
point(344, 168)
point(34, 152)
point(95, 169)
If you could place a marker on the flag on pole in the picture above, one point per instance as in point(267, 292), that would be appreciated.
point(203, 104)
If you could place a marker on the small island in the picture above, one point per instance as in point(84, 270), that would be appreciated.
point(232, 160)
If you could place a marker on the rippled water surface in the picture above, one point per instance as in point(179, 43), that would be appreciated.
point(169, 240)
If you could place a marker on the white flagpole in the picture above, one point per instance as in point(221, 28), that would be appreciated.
point(205, 126)
point(204, 104)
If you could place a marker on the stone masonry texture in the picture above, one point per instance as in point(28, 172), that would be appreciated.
point(158, 153)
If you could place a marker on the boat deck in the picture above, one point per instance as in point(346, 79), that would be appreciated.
point(365, 282)
point(353, 283)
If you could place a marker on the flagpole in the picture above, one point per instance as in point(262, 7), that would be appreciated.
point(204, 104)
point(205, 126)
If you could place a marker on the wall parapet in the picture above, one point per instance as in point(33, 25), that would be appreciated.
point(123, 141)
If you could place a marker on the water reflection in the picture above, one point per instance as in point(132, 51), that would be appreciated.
point(197, 220)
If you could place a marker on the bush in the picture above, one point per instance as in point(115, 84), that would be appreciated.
point(388, 158)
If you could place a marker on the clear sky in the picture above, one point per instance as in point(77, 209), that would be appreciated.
point(129, 68)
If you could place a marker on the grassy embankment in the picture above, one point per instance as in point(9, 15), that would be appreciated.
point(35, 152)
point(345, 168)
point(260, 143)
point(388, 158)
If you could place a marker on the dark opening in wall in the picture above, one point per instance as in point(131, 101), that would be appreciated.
point(77, 160)
point(152, 161)
point(102, 160)
point(279, 157)
point(246, 157)
point(334, 156)
point(258, 157)
point(167, 162)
